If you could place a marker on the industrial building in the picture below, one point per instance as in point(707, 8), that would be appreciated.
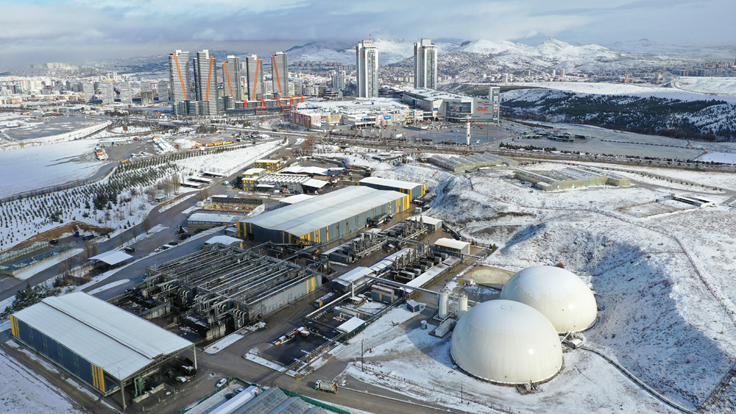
point(506, 342)
point(452, 107)
point(366, 66)
point(561, 296)
point(431, 223)
point(288, 183)
point(414, 190)
point(425, 64)
point(222, 286)
point(269, 165)
point(452, 246)
point(470, 162)
point(571, 177)
point(98, 343)
point(324, 218)
point(209, 220)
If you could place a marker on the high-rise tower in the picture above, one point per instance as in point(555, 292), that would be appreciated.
point(256, 86)
point(280, 74)
point(205, 82)
point(231, 75)
point(179, 81)
point(366, 62)
point(425, 64)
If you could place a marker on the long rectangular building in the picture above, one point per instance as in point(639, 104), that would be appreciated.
point(414, 190)
point(323, 218)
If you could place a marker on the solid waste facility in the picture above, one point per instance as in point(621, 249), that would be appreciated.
point(506, 342)
point(323, 218)
point(560, 295)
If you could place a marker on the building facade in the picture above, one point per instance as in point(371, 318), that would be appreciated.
point(425, 64)
point(254, 70)
point(180, 81)
point(280, 74)
point(366, 60)
point(126, 94)
point(108, 93)
point(163, 91)
point(205, 82)
point(233, 86)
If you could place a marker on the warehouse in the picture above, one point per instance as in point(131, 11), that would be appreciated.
point(470, 162)
point(209, 220)
point(451, 246)
point(229, 286)
point(95, 341)
point(571, 177)
point(413, 189)
point(323, 218)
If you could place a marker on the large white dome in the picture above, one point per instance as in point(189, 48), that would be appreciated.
point(560, 295)
point(506, 342)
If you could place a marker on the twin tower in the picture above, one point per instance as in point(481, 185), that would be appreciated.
point(366, 66)
point(209, 97)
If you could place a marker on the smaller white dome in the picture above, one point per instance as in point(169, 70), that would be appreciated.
point(560, 295)
point(506, 342)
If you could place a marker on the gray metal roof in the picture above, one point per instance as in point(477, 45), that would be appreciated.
point(112, 257)
point(321, 211)
point(389, 183)
point(115, 340)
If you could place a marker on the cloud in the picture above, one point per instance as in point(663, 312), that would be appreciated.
point(84, 30)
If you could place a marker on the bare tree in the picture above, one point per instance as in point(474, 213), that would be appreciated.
point(151, 194)
point(203, 194)
point(90, 248)
point(146, 224)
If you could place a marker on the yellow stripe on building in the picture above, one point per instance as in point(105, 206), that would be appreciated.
point(14, 326)
point(101, 379)
point(94, 376)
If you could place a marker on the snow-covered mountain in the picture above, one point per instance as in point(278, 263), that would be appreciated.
point(486, 55)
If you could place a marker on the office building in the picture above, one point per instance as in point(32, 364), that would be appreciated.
point(366, 59)
point(280, 74)
point(146, 97)
point(88, 90)
point(425, 64)
point(205, 82)
point(494, 96)
point(338, 80)
point(163, 91)
point(126, 95)
point(179, 80)
point(254, 70)
point(233, 86)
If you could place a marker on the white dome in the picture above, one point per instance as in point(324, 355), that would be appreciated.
point(560, 295)
point(506, 342)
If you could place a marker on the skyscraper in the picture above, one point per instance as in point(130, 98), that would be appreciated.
point(231, 75)
point(205, 82)
point(163, 91)
point(366, 62)
point(280, 74)
point(179, 81)
point(425, 64)
point(338, 80)
point(126, 94)
point(108, 93)
point(89, 91)
point(256, 86)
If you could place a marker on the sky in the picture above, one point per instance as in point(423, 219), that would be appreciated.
point(79, 31)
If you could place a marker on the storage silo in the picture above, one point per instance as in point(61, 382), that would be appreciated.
point(462, 307)
point(558, 294)
point(444, 299)
point(506, 342)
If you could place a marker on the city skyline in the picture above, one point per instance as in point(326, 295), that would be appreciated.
point(82, 31)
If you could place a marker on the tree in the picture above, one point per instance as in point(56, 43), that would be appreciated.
point(146, 224)
point(203, 194)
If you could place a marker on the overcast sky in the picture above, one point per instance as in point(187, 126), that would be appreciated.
point(78, 31)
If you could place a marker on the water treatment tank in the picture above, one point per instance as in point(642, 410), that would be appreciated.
point(462, 307)
point(444, 303)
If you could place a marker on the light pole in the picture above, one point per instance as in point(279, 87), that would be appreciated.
point(362, 357)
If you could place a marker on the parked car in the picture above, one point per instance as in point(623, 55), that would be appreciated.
point(221, 382)
point(184, 236)
point(88, 237)
point(129, 250)
point(181, 379)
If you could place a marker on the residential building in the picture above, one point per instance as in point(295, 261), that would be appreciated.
point(179, 80)
point(108, 93)
point(254, 72)
point(280, 74)
point(366, 60)
point(425, 64)
point(205, 82)
point(163, 91)
point(126, 95)
point(233, 86)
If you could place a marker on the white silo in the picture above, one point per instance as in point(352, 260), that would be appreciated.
point(506, 342)
point(462, 307)
point(444, 304)
point(560, 295)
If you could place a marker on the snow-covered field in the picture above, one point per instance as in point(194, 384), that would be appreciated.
point(720, 157)
point(602, 88)
point(708, 85)
point(228, 162)
point(31, 168)
point(663, 283)
point(23, 391)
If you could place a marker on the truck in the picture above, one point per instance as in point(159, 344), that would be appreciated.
point(326, 387)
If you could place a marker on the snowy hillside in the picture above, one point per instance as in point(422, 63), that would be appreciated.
point(389, 51)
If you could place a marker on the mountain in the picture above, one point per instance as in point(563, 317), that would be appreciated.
point(389, 51)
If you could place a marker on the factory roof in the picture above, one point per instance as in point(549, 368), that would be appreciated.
point(351, 324)
point(295, 199)
point(112, 257)
point(226, 240)
point(316, 213)
point(431, 94)
point(251, 171)
point(451, 243)
point(390, 183)
point(214, 217)
point(426, 219)
point(359, 105)
point(117, 341)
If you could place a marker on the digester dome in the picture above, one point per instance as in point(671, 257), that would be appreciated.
point(506, 342)
point(558, 294)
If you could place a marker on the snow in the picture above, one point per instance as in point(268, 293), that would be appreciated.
point(223, 343)
point(708, 85)
point(228, 162)
point(175, 203)
point(108, 286)
point(724, 157)
point(602, 88)
point(24, 391)
point(47, 264)
point(32, 168)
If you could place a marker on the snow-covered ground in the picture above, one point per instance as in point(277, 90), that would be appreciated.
point(31, 168)
point(708, 85)
point(663, 283)
point(602, 88)
point(49, 263)
point(23, 391)
point(724, 157)
point(227, 162)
